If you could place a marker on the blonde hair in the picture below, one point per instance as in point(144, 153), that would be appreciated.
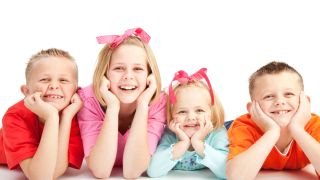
point(273, 67)
point(52, 52)
point(217, 110)
point(104, 60)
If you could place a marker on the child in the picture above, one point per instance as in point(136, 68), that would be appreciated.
point(40, 133)
point(119, 126)
point(279, 132)
point(195, 137)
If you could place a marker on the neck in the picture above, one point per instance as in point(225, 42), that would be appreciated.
point(284, 139)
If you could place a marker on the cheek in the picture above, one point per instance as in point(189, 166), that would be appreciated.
point(265, 106)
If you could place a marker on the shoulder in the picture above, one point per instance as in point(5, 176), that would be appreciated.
point(314, 123)
point(243, 125)
point(159, 102)
point(86, 92)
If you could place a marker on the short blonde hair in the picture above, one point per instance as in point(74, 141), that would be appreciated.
point(273, 67)
point(52, 52)
point(217, 110)
point(104, 60)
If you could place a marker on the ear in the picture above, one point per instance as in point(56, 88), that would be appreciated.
point(249, 104)
point(24, 89)
point(308, 97)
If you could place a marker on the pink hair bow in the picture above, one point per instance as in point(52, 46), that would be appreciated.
point(182, 77)
point(115, 40)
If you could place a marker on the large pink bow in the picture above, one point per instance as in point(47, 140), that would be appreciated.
point(115, 40)
point(182, 77)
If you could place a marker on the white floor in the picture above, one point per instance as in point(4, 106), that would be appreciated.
point(307, 173)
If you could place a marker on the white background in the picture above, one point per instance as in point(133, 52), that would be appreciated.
point(231, 38)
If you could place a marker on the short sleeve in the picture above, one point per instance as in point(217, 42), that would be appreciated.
point(156, 122)
point(20, 139)
point(241, 137)
point(75, 150)
point(90, 120)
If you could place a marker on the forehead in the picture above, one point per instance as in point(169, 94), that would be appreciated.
point(54, 65)
point(283, 80)
point(129, 54)
point(192, 95)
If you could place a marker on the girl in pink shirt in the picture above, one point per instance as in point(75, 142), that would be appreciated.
point(124, 111)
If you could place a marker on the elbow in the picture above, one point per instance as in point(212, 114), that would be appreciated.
point(153, 174)
point(100, 173)
point(131, 174)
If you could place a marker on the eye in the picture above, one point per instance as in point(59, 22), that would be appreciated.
point(64, 80)
point(200, 110)
point(44, 80)
point(138, 69)
point(289, 94)
point(118, 68)
point(182, 112)
point(268, 97)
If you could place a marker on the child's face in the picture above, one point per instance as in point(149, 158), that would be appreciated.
point(192, 105)
point(55, 78)
point(278, 96)
point(128, 73)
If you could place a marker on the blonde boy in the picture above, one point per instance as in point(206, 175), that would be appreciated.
point(40, 133)
point(279, 132)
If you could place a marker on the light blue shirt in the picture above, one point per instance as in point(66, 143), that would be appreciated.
point(216, 148)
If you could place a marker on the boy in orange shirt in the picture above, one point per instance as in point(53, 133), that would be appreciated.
point(279, 132)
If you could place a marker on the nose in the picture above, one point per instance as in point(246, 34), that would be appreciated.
point(54, 85)
point(128, 74)
point(191, 116)
point(280, 101)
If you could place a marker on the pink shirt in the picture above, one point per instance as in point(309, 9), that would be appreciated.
point(91, 118)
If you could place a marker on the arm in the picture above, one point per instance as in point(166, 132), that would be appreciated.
point(162, 160)
point(103, 154)
point(64, 134)
point(309, 145)
point(249, 162)
point(42, 164)
point(136, 155)
point(216, 152)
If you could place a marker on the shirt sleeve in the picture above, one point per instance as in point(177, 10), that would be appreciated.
point(161, 161)
point(20, 139)
point(241, 137)
point(216, 150)
point(75, 150)
point(156, 122)
point(90, 122)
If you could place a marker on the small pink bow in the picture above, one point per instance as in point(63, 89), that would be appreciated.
point(182, 77)
point(115, 40)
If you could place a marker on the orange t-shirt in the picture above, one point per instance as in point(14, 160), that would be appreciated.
point(244, 132)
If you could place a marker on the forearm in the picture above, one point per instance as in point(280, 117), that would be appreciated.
point(103, 154)
point(64, 137)
point(42, 164)
point(249, 162)
point(136, 153)
point(309, 145)
point(179, 149)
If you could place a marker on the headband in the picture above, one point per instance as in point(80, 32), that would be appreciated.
point(182, 77)
point(116, 40)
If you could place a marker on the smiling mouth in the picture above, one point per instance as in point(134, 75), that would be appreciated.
point(50, 96)
point(280, 112)
point(128, 88)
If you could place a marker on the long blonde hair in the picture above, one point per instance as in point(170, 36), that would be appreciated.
point(104, 60)
point(217, 111)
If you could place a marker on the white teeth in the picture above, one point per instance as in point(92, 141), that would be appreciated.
point(128, 87)
point(281, 112)
point(54, 96)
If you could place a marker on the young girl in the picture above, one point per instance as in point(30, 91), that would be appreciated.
point(40, 134)
point(119, 126)
point(195, 137)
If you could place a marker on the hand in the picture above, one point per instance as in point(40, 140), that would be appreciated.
point(108, 97)
point(147, 94)
point(42, 109)
point(206, 127)
point(263, 121)
point(303, 114)
point(73, 107)
point(174, 126)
